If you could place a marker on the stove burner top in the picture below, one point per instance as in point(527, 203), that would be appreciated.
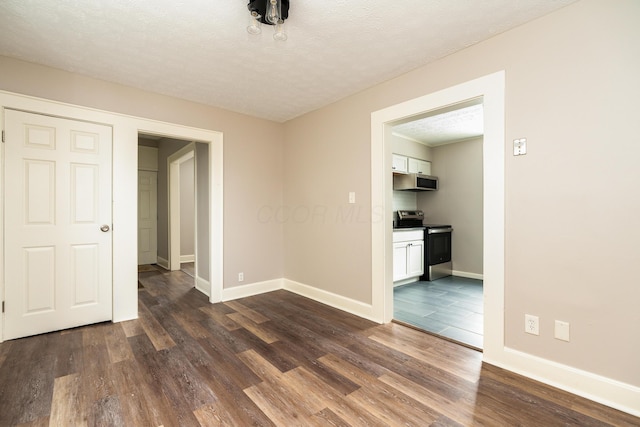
point(413, 219)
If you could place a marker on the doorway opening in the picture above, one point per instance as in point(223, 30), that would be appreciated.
point(450, 303)
point(490, 89)
point(182, 206)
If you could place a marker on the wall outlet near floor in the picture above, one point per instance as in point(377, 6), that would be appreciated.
point(531, 324)
point(562, 330)
point(240, 277)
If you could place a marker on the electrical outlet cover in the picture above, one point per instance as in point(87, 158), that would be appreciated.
point(562, 330)
point(531, 324)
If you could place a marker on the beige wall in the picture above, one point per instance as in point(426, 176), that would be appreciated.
point(458, 201)
point(572, 203)
point(252, 156)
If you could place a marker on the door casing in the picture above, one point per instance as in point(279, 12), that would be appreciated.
point(125, 171)
point(173, 167)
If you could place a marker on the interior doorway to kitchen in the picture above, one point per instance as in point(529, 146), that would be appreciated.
point(451, 140)
point(491, 89)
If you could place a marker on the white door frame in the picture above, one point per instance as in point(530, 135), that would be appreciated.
point(173, 169)
point(491, 89)
point(125, 192)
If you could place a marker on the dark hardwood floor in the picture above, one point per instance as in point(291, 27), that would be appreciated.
point(273, 359)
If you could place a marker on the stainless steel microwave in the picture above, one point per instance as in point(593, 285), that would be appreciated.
point(415, 182)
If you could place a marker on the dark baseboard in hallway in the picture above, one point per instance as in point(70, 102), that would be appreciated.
point(451, 307)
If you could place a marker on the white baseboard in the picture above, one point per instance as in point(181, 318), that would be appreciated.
point(164, 263)
point(187, 258)
point(203, 286)
point(467, 275)
point(337, 301)
point(609, 392)
point(251, 289)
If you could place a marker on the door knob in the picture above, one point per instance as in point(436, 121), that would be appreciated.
point(104, 228)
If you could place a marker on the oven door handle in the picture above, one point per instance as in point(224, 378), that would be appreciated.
point(439, 230)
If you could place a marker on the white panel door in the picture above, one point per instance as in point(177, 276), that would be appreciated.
point(147, 217)
point(58, 195)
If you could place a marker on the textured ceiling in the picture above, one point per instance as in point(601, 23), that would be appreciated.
point(444, 127)
point(199, 49)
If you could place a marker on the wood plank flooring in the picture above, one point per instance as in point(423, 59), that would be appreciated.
point(273, 359)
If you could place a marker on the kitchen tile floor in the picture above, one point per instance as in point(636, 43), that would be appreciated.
point(451, 307)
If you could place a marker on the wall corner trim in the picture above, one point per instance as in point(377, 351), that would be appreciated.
point(203, 286)
point(336, 301)
point(164, 263)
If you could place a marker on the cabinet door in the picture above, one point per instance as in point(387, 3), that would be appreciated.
point(415, 259)
point(399, 163)
point(419, 166)
point(399, 261)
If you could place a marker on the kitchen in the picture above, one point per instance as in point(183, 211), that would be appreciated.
point(444, 149)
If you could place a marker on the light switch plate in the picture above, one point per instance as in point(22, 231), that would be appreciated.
point(352, 196)
point(519, 146)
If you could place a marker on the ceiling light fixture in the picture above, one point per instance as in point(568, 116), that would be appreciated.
point(270, 12)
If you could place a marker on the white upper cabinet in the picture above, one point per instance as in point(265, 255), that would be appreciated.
point(399, 164)
point(419, 166)
point(404, 164)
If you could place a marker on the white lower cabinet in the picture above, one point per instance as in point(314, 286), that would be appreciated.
point(408, 254)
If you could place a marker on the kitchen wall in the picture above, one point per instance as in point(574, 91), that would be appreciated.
point(409, 148)
point(458, 201)
point(571, 207)
point(251, 245)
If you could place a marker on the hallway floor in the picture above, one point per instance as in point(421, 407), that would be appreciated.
point(451, 307)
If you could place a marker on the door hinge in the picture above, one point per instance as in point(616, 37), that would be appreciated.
point(2, 136)
point(3, 306)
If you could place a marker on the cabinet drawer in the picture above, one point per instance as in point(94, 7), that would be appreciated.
point(407, 236)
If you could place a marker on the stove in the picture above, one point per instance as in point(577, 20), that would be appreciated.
point(409, 219)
